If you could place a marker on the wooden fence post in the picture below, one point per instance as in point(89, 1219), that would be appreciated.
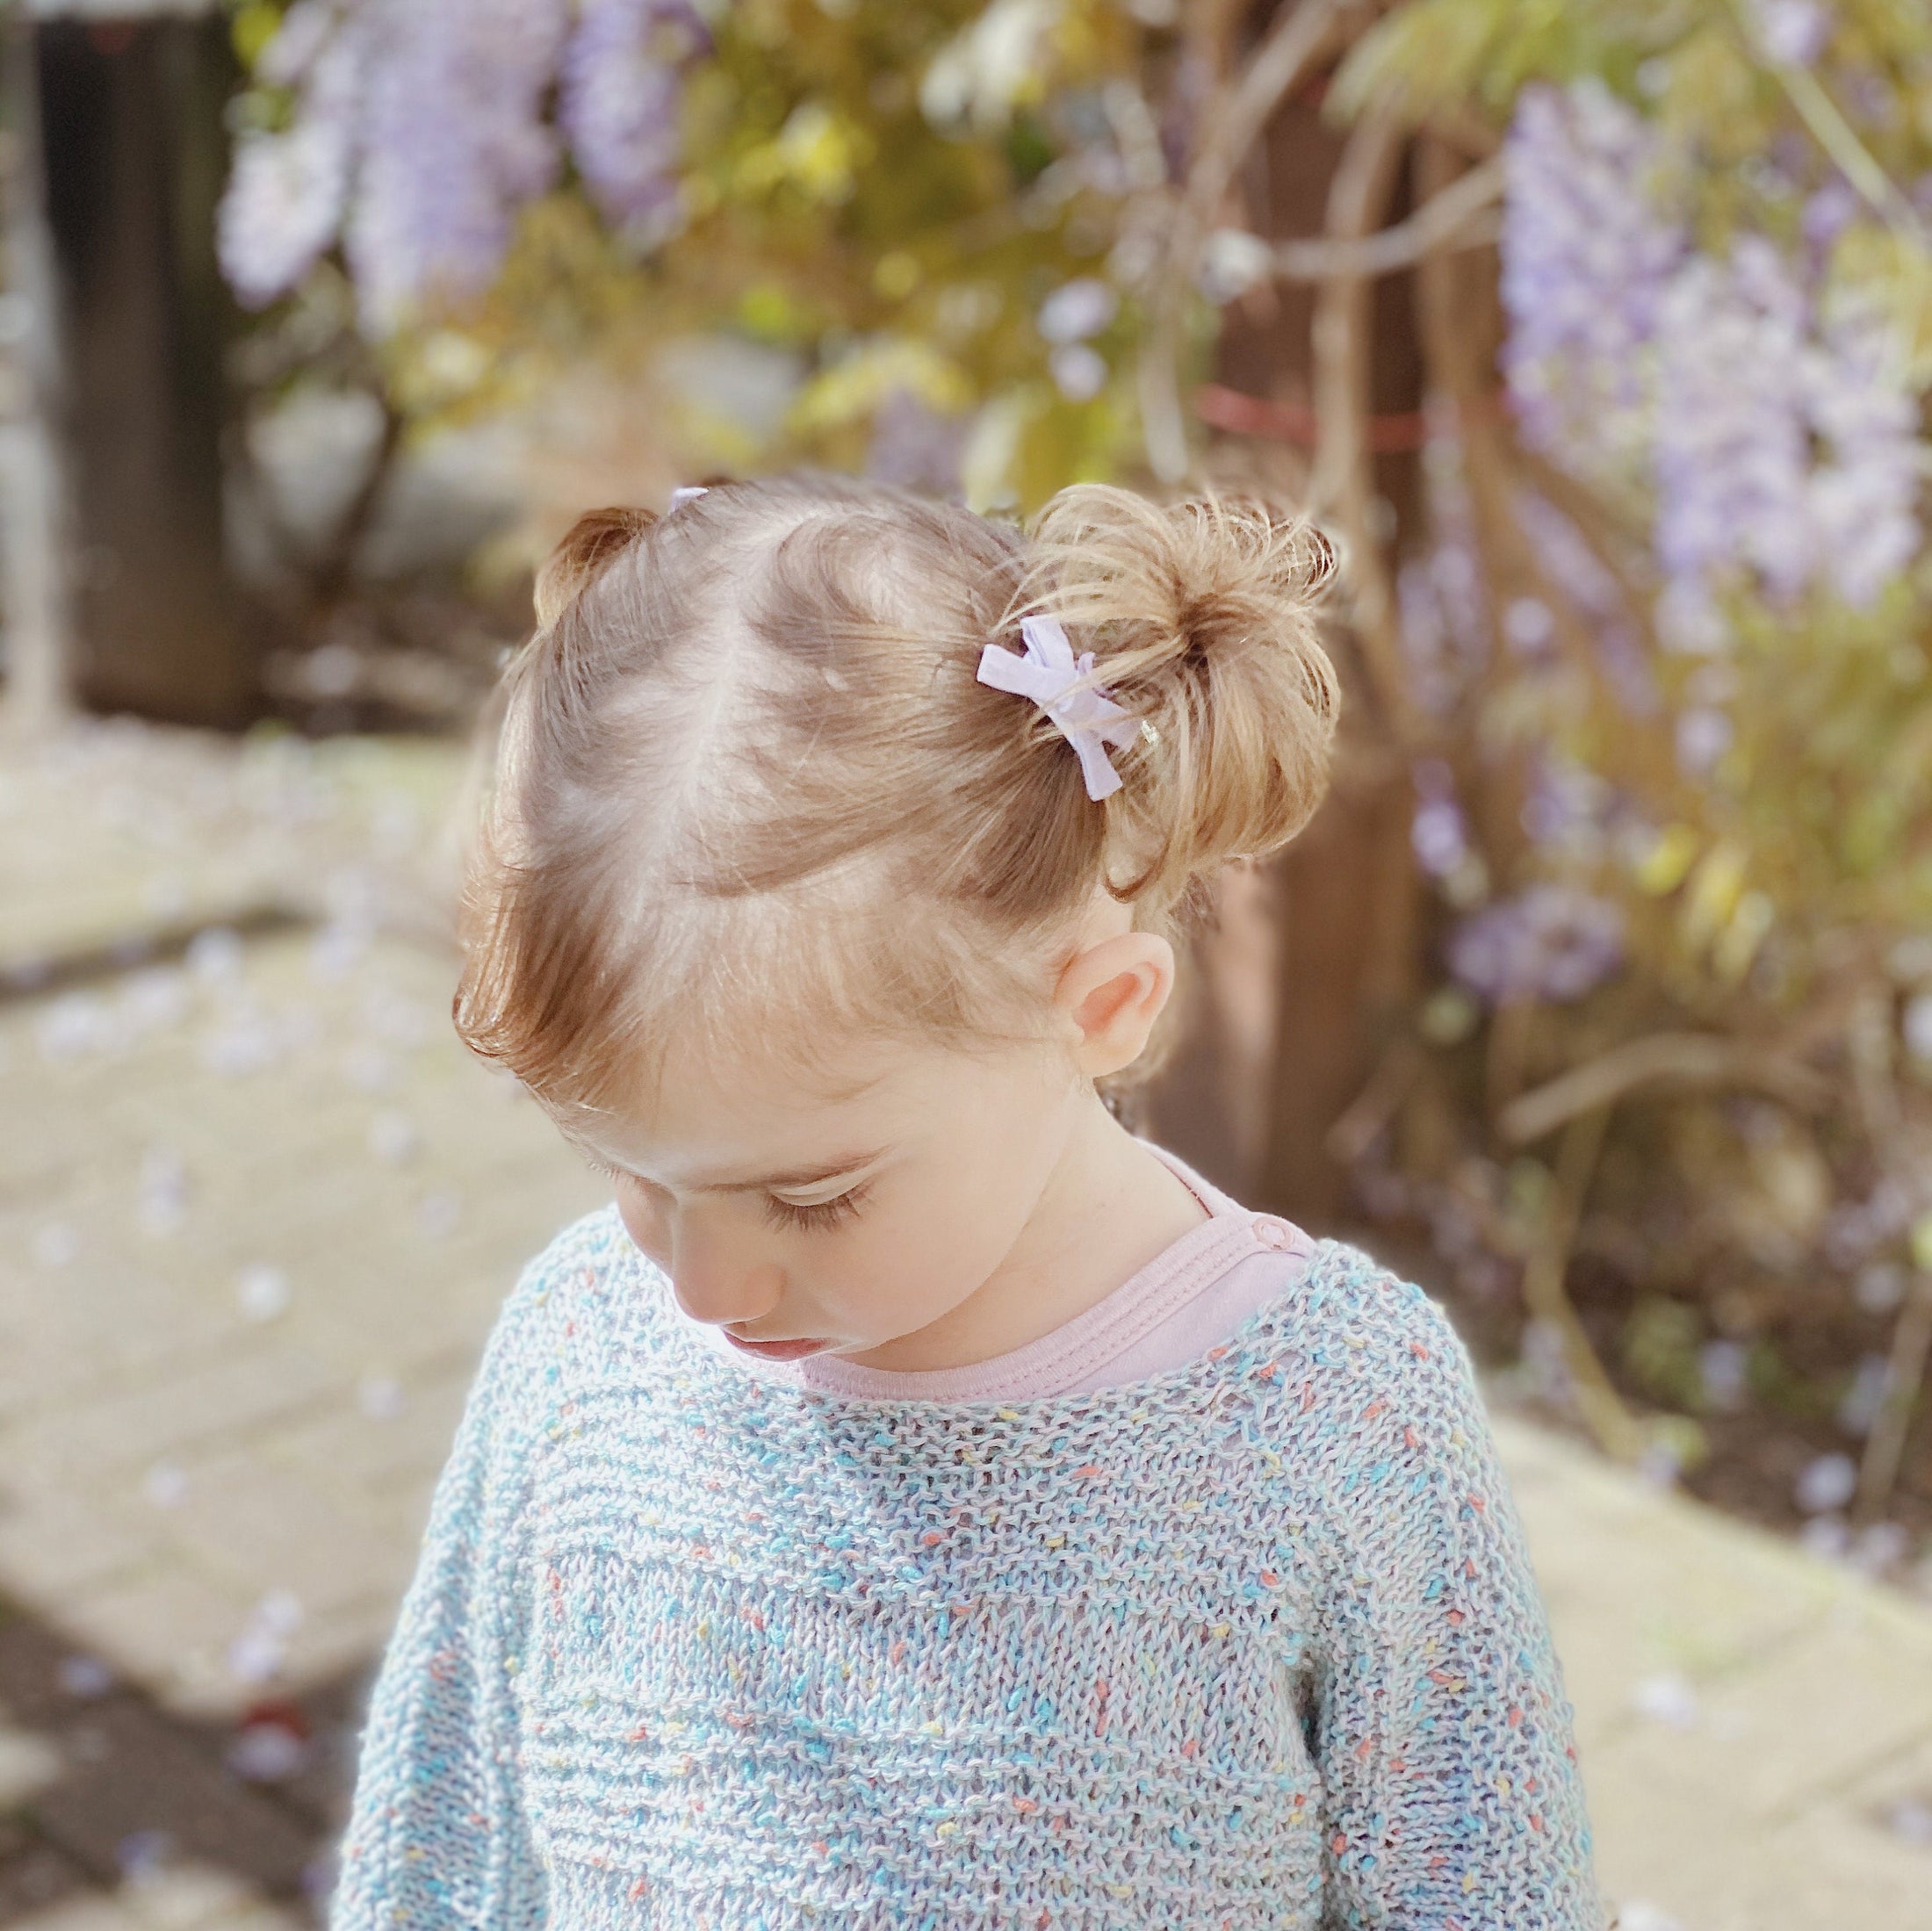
point(135, 153)
point(34, 509)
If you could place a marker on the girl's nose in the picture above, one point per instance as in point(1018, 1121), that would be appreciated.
point(716, 1284)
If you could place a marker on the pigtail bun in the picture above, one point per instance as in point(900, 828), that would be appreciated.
point(1202, 618)
point(593, 542)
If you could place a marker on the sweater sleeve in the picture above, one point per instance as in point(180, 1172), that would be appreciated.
point(1452, 1796)
point(436, 1837)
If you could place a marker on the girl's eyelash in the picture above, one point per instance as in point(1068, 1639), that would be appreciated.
point(818, 1216)
point(821, 1213)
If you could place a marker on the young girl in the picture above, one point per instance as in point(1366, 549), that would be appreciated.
point(920, 1502)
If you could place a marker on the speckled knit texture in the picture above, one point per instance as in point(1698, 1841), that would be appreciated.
point(1253, 1643)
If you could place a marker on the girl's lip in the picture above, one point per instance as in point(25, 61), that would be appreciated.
point(777, 1351)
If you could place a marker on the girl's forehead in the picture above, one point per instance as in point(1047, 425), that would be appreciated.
point(749, 1106)
point(757, 1103)
point(704, 1121)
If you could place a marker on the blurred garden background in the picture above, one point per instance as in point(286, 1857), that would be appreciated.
point(1598, 997)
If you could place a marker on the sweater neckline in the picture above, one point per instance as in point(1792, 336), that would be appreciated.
point(1042, 1411)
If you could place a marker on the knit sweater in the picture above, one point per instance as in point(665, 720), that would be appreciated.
point(1251, 1643)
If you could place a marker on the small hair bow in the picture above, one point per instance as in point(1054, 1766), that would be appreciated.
point(1049, 674)
point(685, 493)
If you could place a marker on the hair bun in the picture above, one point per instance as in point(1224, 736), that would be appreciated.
point(1203, 616)
point(593, 542)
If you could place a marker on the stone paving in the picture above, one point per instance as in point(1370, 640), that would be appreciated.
point(256, 1211)
point(1754, 1725)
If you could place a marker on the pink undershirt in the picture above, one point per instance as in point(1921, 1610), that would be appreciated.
point(1190, 1296)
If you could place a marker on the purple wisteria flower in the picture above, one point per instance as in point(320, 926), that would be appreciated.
point(1569, 562)
point(1550, 942)
point(1777, 438)
point(452, 143)
point(420, 129)
point(1438, 834)
point(1828, 212)
point(1441, 597)
point(1864, 491)
point(1587, 259)
point(1792, 33)
point(1785, 444)
point(622, 85)
point(1732, 460)
point(1703, 734)
point(288, 191)
point(1566, 805)
point(1078, 309)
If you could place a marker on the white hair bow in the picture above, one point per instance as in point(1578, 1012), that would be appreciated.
point(688, 494)
point(1049, 674)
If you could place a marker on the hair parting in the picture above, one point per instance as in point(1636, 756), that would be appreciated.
point(747, 784)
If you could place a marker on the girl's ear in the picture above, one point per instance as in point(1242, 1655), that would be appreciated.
point(1110, 994)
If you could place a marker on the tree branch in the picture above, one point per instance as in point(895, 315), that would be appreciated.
point(1300, 35)
point(1343, 479)
point(1829, 128)
point(1695, 1060)
point(1446, 219)
point(1905, 1376)
point(1617, 1431)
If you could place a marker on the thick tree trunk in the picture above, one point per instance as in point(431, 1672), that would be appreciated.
point(1338, 971)
point(135, 152)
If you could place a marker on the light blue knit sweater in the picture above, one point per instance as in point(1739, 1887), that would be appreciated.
point(1253, 1643)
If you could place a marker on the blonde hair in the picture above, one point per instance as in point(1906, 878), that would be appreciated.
point(748, 783)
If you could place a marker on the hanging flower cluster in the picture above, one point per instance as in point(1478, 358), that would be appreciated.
point(1551, 942)
point(1773, 429)
point(418, 129)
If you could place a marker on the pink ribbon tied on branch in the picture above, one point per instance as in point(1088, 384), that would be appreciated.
point(1051, 675)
